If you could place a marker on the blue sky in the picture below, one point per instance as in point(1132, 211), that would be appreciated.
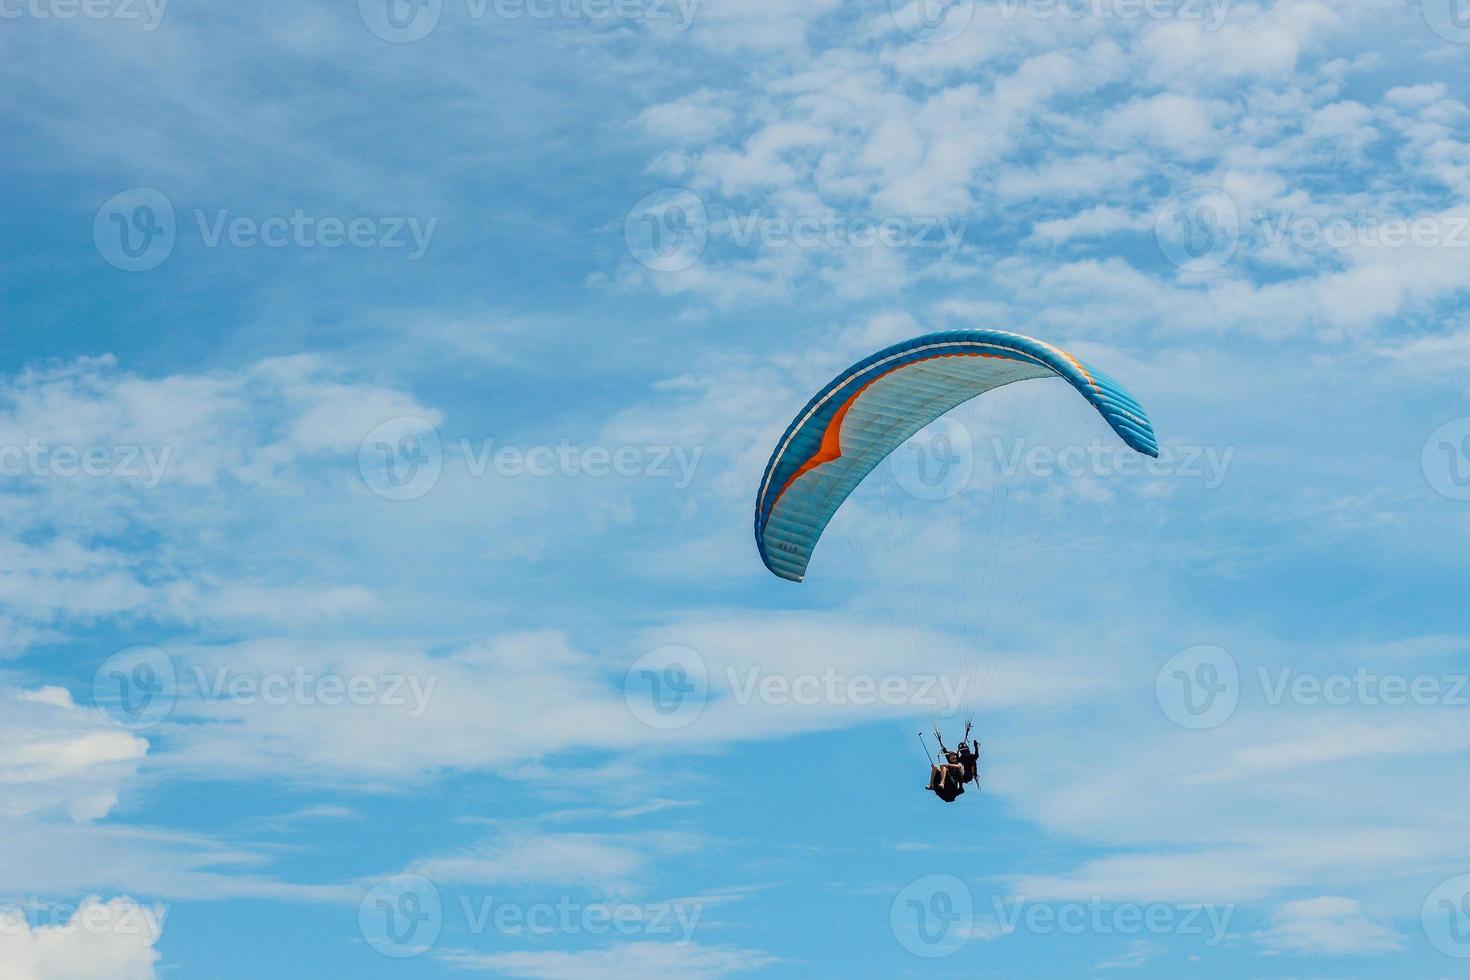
point(271, 706)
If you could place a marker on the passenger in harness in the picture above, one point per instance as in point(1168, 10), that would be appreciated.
point(947, 779)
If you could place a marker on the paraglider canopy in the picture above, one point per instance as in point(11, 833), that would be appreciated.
point(870, 409)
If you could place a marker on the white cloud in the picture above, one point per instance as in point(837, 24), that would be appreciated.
point(762, 26)
point(50, 857)
point(1257, 42)
point(1139, 952)
point(58, 757)
point(500, 704)
point(509, 703)
point(656, 961)
point(1094, 222)
point(1431, 353)
point(1328, 742)
point(1186, 127)
point(191, 462)
point(1324, 783)
point(695, 118)
point(1416, 96)
point(111, 940)
point(608, 864)
point(957, 129)
point(1331, 926)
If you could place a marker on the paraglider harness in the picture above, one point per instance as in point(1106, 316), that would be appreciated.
point(947, 779)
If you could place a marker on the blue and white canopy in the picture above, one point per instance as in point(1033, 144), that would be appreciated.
point(870, 409)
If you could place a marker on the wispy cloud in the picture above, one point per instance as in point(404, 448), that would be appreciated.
point(655, 960)
point(1331, 925)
